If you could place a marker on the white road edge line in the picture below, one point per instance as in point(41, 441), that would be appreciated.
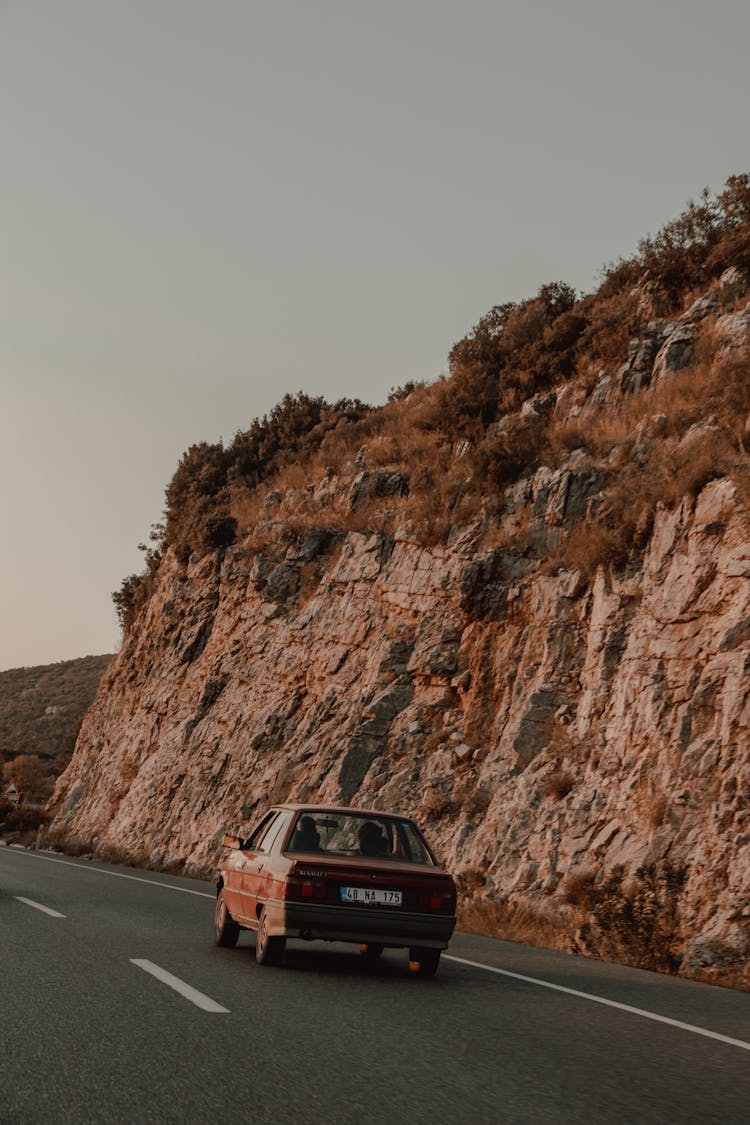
point(121, 875)
point(600, 1000)
point(447, 957)
point(192, 994)
point(38, 906)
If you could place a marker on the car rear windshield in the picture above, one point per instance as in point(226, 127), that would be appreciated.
point(353, 834)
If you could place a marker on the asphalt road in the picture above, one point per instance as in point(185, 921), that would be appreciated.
point(89, 1033)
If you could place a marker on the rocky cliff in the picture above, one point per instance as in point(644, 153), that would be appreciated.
point(548, 717)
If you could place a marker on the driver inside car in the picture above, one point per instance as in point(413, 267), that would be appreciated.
point(372, 841)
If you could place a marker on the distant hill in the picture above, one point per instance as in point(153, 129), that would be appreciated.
point(41, 709)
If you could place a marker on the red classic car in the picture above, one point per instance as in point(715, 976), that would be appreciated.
point(335, 874)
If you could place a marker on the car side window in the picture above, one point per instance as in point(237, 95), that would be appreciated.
point(253, 840)
point(267, 838)
point(272, 834)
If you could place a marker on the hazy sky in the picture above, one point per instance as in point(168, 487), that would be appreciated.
point(207, 203)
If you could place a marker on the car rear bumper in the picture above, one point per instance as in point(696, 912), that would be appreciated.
point(330, 922)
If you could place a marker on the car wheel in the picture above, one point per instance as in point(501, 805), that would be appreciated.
point(268, 950)
point(371, 951)
point(226, 930)
point(424, 962)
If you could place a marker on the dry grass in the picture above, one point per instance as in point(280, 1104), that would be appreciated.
point(539, 923)
point(614, 320)
point(78, 846)
point(511, 533)
point(246, 506)
point(441, 498)
point(621, 921)
point(579, 888)
point(597, 434)
point(23, 823)
point(657, 810)
point(558, 785)
point(712, 397)
point(589, 546)
point(448, 493)
point(717, 384)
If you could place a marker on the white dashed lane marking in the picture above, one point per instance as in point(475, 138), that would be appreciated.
point(192, 994)
point(38, 906)
point(161, 974)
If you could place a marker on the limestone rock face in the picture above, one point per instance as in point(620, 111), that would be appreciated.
point(452, 686)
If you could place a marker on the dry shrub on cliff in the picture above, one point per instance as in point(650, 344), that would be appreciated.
point(558, 784)
point(199, 496)
point(384, 451)
point(612, 321)
point(438, 497)
point(505, 453)
point(635, 920)
point(513, 352)
point(688, 471)
point(715, 385)
point(432, 522)
point(246, 507)
point(698, 422)
point(443, 498)
point(579, 888)
point(710, 235)
point(657, 810)
point(598, 433)
point(436, 805)
point(591, 545)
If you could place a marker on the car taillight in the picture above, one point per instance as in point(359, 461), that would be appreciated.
point(437, 902)
point(304, 890)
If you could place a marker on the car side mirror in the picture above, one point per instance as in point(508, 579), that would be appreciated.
point(232, 842)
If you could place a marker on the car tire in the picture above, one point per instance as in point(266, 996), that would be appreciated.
point(371, 951)
point(226, 930)
point(424, 962)
point(268, 950)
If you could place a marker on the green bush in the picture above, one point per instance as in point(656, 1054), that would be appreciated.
point(293, 431)
point(709, 236)
point(513, 352)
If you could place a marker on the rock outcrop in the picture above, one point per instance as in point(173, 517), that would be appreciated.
point(450, 686)
point(546, 725)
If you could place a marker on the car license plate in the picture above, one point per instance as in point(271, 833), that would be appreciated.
point(371, 895)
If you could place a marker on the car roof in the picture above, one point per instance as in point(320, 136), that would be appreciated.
point(295, 806)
